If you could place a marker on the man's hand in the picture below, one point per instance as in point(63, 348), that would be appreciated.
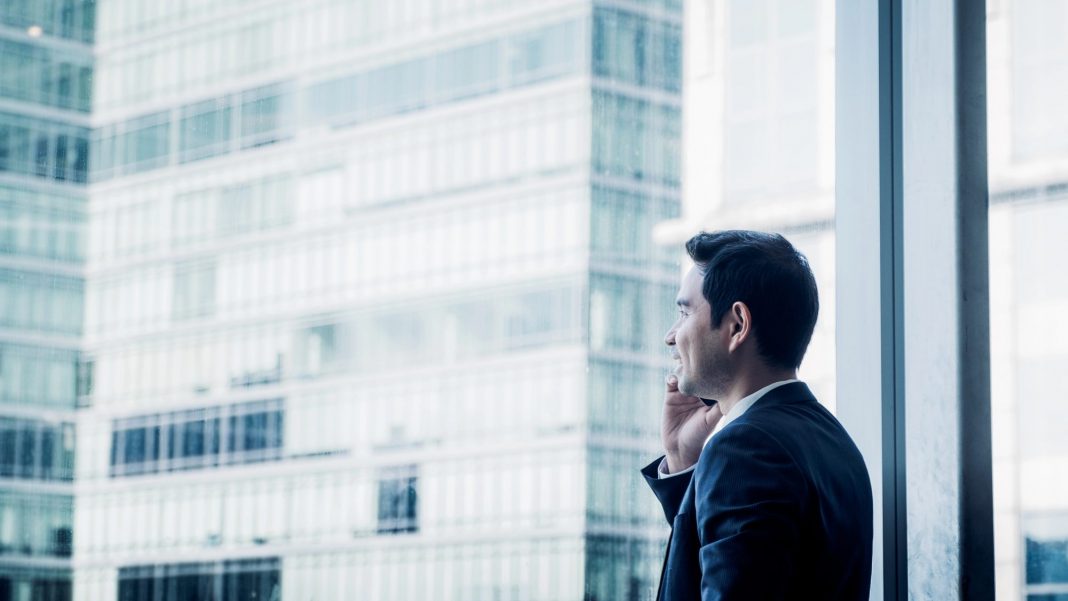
point(687, 423)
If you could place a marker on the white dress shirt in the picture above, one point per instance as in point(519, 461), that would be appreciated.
point(741, 407)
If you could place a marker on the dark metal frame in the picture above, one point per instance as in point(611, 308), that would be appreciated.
point(912, 287)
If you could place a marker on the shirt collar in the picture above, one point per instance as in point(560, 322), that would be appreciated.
point(743, 405)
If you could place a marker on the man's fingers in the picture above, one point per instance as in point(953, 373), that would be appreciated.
point(672, 383)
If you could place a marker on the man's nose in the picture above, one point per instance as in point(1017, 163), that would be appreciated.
point(669, 339)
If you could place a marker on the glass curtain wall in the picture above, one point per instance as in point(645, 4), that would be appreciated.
point(1026, 71)
point(373, 298)
point(46, 78)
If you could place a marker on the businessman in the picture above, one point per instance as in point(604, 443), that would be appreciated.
point(767, 495)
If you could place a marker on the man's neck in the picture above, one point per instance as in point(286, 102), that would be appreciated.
point(751, 383)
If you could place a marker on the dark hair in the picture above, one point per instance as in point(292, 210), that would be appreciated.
point(771, 277)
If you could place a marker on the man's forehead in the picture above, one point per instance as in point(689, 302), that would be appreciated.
point(690, 289)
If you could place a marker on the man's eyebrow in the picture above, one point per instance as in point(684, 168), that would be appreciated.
point(682, 302)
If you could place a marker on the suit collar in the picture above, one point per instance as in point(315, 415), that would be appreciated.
point(794, 392)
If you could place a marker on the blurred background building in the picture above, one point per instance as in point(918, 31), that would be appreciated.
point(45, 85)
point(759, 139)
point(1028, 130)
point(372, 307)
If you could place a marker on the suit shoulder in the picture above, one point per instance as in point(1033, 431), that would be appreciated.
point(805, 430)
point(749, 438)
point(744, 456)
point(778, 418)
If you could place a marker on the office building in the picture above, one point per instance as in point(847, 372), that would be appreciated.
point(372, 310)
point(45, 82)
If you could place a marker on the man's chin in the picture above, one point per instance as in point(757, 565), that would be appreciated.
point(689, 387)
point(686, 386)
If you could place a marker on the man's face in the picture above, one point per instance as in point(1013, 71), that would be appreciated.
point(700, 352)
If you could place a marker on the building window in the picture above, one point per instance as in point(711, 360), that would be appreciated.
point(241, 580)
point(317, 350)
point(194, 290)
point(84, 380)
point(1046, 555)
point(36, 450)
point(185, 440)
point(632, 49)
point(398, 500)
point(205, 130)
point(1047, 561)
point(266, 115)
point(35, 524)
point(147, 142)
point(28, 146)
point(45, 584)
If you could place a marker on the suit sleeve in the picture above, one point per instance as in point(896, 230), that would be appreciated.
point(749, 496)
point(669, 491)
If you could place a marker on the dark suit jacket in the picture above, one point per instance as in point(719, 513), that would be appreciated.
point(778, 507)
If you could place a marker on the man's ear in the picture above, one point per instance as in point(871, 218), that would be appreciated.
point(741, 324)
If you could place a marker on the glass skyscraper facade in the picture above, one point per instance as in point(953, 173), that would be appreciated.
point(45, 83)
point(372, 307)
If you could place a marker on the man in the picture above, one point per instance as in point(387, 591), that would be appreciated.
point(767, 495)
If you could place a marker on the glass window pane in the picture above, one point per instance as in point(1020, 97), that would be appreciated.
point(1026, 63)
